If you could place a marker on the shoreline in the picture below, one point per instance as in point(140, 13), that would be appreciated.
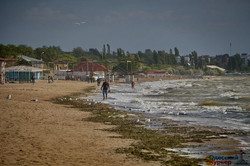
point(150, 150)
point(220, 139)
point(214, 138)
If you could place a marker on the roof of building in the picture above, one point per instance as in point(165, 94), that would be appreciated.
point(205, 56)
point(215, 67)
point(156, 72)
point(29, 59)
point(86, 65)
point(61, 62)
point(22, 69)
point(7, 59)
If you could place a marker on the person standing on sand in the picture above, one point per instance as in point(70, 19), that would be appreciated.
point(105, 88)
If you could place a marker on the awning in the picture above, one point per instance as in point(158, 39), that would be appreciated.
point(23, 69)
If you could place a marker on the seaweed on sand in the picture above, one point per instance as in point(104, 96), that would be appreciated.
point(149, 145)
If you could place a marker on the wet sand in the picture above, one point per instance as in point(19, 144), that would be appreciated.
point(35, 131)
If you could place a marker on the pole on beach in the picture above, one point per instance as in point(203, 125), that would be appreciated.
point(2, 71)
point(230, 47)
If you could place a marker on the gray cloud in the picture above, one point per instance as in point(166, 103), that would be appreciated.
point(207, 26)
point(48, 15)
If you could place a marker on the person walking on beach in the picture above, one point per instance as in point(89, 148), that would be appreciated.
point(33, 79)
point(98, 81)
point(49, 79)
point(132, 84)
point(105, 88)
point(52, 79)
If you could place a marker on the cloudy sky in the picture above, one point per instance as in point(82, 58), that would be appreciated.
point(206, 26)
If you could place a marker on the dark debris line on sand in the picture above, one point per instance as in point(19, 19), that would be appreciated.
point(151, 145)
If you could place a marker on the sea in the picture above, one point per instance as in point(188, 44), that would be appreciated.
point(222, 102)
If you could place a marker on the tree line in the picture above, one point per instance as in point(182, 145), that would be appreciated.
point(129, 62)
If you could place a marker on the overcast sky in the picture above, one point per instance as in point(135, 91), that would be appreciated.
point(206, 26)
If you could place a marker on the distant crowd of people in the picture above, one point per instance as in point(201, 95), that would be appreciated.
point(105, 87)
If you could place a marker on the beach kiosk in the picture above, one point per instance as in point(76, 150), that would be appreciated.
point(22, 73)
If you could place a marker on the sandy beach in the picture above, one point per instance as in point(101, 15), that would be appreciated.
point(35, 131)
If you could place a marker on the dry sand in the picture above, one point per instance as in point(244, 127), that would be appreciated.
point(43, 133)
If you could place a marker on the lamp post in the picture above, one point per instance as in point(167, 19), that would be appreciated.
point(127, 65)
point(128, 76)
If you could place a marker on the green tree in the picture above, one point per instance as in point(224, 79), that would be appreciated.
point(128, 54)
point(39, 53)
point(162, 57)
point(199, 64)
point(171, 51)
point(193, 59)
point(67, 57)
point(12, 51)
point(148, 57)
point(176, 52)
point(195, 56)
point(156, 58)
point(172, 60)
point(48, 54)
point(182, 61)
point(78, 52)
point(235, 63)
point(108, 50)
point(7, 51)
point(122, 67)
point(104, 52)
point(25, 50)
point(23, 62)
point(120, 53)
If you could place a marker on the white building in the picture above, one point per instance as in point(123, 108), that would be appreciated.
point(245, 59)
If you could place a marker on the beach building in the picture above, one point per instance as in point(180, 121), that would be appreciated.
point(61, 69)
point(157, 74)
point(245, 59)
point(34, 62)
point(222, 60)
point(88, 69)
point(61, 65)
point(216, 67)
point(205, 58)
point(22, 73)
point(187, 59)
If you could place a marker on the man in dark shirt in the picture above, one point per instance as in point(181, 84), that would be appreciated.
point(105, 88)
